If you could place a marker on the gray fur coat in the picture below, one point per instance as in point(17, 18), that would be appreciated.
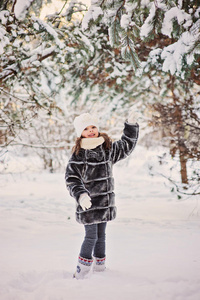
point(91, 172)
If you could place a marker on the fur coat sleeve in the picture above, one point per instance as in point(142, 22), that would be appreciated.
point(73, 177)
point(124, 147)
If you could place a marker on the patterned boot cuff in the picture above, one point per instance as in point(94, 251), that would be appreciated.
point(100, 261)
point(85, 261)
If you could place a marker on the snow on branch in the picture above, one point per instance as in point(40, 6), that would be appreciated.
point(148, 24)
point(21, 7)
point(4, 40)
point(37, 56)
point(175, 13)
point(87, 42)
point(93, 14)
point(4, 15)
point(50, 31)
point(173, 54)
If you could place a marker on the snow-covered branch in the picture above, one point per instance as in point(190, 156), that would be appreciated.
point(159, 24)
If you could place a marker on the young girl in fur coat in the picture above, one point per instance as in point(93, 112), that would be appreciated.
point(90, 181)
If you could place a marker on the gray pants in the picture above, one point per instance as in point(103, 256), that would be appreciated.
point(94, 242)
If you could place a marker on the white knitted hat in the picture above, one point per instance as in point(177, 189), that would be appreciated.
point(84, 120)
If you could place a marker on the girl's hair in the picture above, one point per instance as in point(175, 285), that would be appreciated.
point(106, 144)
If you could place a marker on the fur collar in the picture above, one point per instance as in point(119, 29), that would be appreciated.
point(91, 143)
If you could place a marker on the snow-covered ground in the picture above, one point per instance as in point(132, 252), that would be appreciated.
point(153, 247)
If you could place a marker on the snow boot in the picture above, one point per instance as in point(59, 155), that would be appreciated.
point(99, 264)
point(83, 268)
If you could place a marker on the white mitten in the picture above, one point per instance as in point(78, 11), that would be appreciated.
point(85, 201)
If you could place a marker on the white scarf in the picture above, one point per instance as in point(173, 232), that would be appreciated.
point(91, 143)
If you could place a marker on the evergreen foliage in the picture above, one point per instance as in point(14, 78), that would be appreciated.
point(121, 53)
point(172, 26)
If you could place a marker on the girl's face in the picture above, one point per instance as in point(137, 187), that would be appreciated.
point(90, 132)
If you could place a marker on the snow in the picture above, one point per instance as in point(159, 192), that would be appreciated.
point(197, 13)
point(185, 46)
point(148, 25)
point(87, 42)
point(125, 21)
point(49, 29)
point(4, 14)
point(152, 246)
point(4, 40)
point(173, 54)
point(20, 8)
point(180, 15)
point(93, 13)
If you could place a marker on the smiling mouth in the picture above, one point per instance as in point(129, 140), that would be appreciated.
point(91, 135)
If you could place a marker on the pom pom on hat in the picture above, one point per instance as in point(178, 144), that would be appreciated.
point(84, 120)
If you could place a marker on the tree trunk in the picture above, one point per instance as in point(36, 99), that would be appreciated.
point(183, 163)
point(180, 129)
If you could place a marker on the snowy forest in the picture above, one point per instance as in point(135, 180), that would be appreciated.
point(61, 58)
point(108, 58)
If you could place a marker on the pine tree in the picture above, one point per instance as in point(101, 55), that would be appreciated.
point(31, 49)
point(52, 68)
point(171, 26)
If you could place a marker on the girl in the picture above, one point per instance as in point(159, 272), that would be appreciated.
point(90, 181)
